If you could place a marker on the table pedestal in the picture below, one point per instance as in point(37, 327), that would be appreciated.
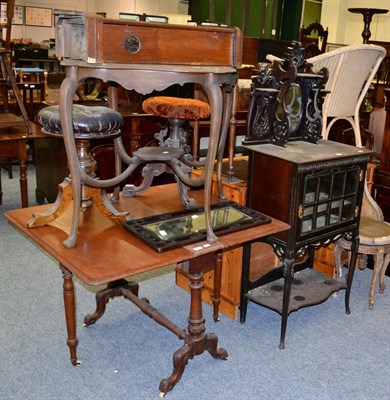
point(367, 18)
point(65, 200)
point(196, 341)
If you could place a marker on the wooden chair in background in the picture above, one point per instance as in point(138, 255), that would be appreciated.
point(7, 78)
point(381, 93)
point(313, 45)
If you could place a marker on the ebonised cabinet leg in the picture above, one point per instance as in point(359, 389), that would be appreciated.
point(245, 281)
point(351, 271)
point(288, 271)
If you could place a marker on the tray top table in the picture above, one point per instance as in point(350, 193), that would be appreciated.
point(108, 254)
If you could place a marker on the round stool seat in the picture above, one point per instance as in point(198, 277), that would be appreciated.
point(176, 107)
point(374, 233)
point(89, 122)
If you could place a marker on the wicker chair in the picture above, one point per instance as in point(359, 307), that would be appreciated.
point(374, 239)
point(351, 71)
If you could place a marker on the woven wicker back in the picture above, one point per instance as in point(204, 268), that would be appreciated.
point(351, 71)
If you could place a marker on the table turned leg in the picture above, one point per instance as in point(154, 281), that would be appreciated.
point(70, 315)
point(196, 341)
point(23, 174)
point(217, 286)
point(114, 289)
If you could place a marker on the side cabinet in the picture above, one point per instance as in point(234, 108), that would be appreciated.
point(317, 189)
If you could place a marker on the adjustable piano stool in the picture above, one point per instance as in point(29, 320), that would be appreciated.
point(173, 154)
point(88, 123)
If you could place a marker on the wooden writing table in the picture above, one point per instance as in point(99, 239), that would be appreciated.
point(144, 78)
point(13, 143)
point(52, 62)
point(142, 56)
point(107, 253)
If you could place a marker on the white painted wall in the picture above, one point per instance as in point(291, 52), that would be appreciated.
point(174, 9)
point(154, 7)
point(37, 34)
point(346, 28)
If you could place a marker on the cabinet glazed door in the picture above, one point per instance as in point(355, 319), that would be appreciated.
point(330, 198)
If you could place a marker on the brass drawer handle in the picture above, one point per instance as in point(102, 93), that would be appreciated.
point(132, 44)
point(300, 211)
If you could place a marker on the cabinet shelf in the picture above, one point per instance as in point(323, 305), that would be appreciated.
point(309, 287)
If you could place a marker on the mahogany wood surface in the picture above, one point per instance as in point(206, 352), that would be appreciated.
point(100, 255)
point(104, 40)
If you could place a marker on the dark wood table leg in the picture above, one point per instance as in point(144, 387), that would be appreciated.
point(114, 289)
point(367, 18)
point(70, 315)
point(1, 191)
point(23, 172)
point(196, 341)
point(217, 286)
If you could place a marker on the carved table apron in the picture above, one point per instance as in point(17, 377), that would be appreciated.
point(144, 78)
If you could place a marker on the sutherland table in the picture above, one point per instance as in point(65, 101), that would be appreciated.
point(107, 253)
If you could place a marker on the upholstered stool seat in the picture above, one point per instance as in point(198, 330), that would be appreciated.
point(88, 122)
point(175, 107)
point(173, 154)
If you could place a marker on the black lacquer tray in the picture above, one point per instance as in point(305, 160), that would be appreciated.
point(171, 230)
